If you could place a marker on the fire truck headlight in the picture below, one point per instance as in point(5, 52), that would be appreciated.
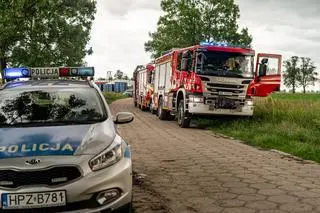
point(249, 103)
point(195, 99)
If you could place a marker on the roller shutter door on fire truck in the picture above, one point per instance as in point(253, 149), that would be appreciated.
point(162, 76)
point(156, 79)
point(168, 77)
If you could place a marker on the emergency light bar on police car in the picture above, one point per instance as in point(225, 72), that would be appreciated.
point(48, 72)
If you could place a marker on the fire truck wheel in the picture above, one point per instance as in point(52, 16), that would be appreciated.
point(162, 114)
point(153, 111)
point(183, 118)
point(143, 108)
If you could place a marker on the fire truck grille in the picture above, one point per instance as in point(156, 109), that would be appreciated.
point(226, 86)
point(237, 91)
point(50, 177)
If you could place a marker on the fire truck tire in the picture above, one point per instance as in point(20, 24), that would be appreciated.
point(162, 114)
point(153, 111)
point(183, 118)
point(143, 108)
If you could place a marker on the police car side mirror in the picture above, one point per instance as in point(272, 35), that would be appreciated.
point(123, 117)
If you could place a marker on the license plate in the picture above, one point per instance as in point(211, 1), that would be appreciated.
point(33, 200)
point(225, 93)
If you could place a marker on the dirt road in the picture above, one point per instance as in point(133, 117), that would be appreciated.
point(193, 170)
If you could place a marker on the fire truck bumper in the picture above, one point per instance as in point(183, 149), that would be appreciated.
point(206, 109)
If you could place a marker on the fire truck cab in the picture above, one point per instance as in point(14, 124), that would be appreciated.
point(211, 79)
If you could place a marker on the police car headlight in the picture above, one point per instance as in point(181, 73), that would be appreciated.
point(108, 157)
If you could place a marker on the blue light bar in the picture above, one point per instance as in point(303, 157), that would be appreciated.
point(48, 72)
point(213, 43)
point(220, 44)
point(14, 73)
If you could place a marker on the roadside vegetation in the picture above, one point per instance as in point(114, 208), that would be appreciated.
point(286, 122)
point(113, 96)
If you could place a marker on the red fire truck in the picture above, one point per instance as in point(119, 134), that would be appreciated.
point(211, 79)
point(143, 86)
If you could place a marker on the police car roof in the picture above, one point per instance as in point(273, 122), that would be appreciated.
point(47, 84)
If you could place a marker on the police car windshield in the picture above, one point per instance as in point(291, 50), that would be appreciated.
point(52, 106)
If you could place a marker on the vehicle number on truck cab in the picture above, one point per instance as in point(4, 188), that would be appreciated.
point(33, 200)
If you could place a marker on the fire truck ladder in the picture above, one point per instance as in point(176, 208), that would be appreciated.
point(168, 51)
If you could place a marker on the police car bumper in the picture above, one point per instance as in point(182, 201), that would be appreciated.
point(205, 109)
point(107, 189)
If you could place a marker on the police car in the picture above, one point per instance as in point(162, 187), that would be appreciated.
point(59, 148)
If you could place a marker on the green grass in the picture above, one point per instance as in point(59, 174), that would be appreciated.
point(112, 96)
point(286, 122)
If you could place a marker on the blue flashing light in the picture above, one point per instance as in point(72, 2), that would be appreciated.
point(14, 73)
point(213, 43)
point(220, 44)
point(86, 71)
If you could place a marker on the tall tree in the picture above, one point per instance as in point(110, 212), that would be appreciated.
point(125, 77)
point(291, 72)
point(307, 75)
point(118, 75)
point(45, 32)
point(187, 22)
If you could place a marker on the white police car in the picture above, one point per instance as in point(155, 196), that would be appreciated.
point(59, 149)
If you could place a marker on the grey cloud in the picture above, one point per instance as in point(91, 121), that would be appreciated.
point(122, 7)
point(297, 13)
point(117, 7)
point(296, 22)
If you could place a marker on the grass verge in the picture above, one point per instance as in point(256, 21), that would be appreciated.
point(112, 96)
point(286, 122)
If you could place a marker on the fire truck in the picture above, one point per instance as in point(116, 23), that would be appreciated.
point(143, 77)
point(211, 78)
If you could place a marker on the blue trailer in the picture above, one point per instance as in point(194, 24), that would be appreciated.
point(120, 87)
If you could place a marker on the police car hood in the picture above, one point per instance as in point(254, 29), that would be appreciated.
point(56, 140)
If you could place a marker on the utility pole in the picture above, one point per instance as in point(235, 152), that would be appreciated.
point(109, 75)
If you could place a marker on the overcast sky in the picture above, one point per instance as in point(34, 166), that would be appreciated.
point(288, 27)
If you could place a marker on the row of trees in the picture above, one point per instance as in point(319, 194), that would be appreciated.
point(45, 32)
point(187, 22)
point(299, 72)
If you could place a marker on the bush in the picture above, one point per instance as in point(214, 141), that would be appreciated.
point(287, 122)
point(113, 96)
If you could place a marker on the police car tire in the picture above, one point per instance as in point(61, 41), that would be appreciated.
point(184, 122)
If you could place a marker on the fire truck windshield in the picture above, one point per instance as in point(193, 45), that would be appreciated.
point(224, 64)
